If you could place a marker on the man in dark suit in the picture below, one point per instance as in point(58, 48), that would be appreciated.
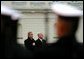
point(40, 42)
point(66, 26)
point(30, 42)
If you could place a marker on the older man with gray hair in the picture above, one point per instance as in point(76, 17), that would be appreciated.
point(40, 42)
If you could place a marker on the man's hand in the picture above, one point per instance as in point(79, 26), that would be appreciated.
point(33, 44)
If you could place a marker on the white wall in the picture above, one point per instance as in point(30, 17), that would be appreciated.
point(38, 21)
point(79, 34)
point(35, 22)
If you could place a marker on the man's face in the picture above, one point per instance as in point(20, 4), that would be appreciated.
point(62, 27)
point(40, 36)
point(31, 35)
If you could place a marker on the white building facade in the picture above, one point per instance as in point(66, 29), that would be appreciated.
point(38, 18)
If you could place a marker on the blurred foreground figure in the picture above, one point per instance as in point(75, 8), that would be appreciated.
point(66, 26)
point(9, 22)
